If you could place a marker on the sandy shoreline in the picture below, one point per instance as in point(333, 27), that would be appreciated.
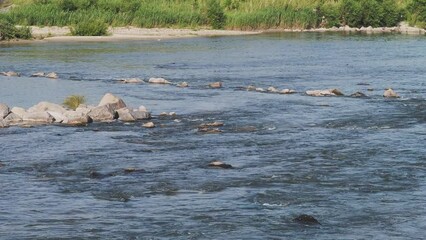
point(63, 34)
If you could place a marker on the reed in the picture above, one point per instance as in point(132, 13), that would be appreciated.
point(228, 14)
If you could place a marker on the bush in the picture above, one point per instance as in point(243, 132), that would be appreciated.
point(391, 13)
point(215, 14)
point(362, 13)
point(417, 13)
point(9, 31)
point(90, 28)
point(74, 101)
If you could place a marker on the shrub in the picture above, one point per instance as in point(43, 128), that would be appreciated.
point(392, 14)
point(9, 31)
point(90, 28)
point(215, 14)
point(74, 101)
point(417, 13)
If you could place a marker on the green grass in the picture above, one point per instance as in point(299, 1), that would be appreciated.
point(90, 17)
point(74, 101)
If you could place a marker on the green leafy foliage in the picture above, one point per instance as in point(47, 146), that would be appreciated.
point(90, 28)
point(215, 14)
point(74, 101)
point(9, 31)
point(417, 13)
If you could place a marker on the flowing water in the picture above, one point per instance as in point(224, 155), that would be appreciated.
point(358, 165)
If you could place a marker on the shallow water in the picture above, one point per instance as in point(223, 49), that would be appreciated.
point(356, 165)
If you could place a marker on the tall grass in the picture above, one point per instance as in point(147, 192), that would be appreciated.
point(237, 14)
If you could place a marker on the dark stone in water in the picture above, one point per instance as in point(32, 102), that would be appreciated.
point(220, 164)
point(306, 219)
point(133, 170)
point(358, 95)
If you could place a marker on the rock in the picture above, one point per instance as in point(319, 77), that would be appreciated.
point(272, 90)
point(131, 80)
point(287, 91)
point(125, 115)
point(370, 89)
point(183, 85)
point(83, 108)
point(158, 81)
point(59, 117)
point(173, 114)
point(76, 118)
point(10, 74)
point(39, 117)
point(213, 124)
point(133, 170)
point(209, 130)
point(215, 85)
point(47, 106)
point(38, 74)
point(52, 75)
point(4, 110)
point(390, 93)
point(141, 115)
point(103, 113)
point(220, 164)
point(4, 124)
point(251, 88)
point(114, 102)
point(306, 219)
point(142, 108)
point(18, 111)
point(322, 93)
point(165, 114)
point(260, 90)
point(358, 95)
point(149, 125)
point(13, 118)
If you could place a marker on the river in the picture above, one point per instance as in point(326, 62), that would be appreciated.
point(358, 165)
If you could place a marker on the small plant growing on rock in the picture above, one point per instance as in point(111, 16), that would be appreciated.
point(74, 101)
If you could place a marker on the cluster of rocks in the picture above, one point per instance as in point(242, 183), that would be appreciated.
point(212, 127)
point(270, 90)
point(152, 81)
point(389, 93)
point(51, 75)
point(109, 109)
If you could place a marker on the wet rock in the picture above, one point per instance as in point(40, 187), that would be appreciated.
point(287, 91)
point(142, 108)
point(370, 89)
point(363, 84)
point(220, 164)
point(260, 90)
point(104, 113)
point(38, 117)
point(125, 115)
point(47, 106)
point(306, 219)
point(141, 115)
point(148, 125)
point(251, 88)
point(209, 130)
point(18, 111)
point(166, 114)
point(77, 118)
point(114, 102)
point(358, 95)
point(3, 124)
point(38, 74)
point(322, 93)
point(131, 80)
point(13, 118)
point(390, 93)
point(158, 81)
point(215, 85)
point(272, 90)
point(10, 74)
point(183, 85)
point(133, 170)
point(52, 75)
point(212, 124)
point(4, 110)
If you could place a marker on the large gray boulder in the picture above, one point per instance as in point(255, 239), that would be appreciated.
point(38, 117)
point(141, 115)
point(18, 111)
point(103, 113)
point(114, 102)
point(47, 106)
point(125, 115)
point(59, 117)
point(76, 118)
point(4, 124)
point(4, 110)
point(13, 118)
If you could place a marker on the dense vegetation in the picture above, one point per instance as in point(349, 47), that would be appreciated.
point(91, 17)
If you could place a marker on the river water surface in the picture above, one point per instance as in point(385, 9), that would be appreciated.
point(358, 165)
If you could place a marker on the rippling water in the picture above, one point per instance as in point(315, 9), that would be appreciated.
point(357, 165)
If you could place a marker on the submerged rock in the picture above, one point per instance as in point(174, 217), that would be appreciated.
point(38, 74)
point(215, 85)
point(251, 88)
point(52, 75)
point(158, 81)
point(260, 90)
point(183, 85)
point(358, 95)
point(212, 124)
point(322, 93)
point(4, 110)
point(148, 125)
point(131, 80)
point(306, 219)
point(10, 74)
point(273, 90)
point(287, 91)
point(390, 93)
point(220, 164)
point(209, 130)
